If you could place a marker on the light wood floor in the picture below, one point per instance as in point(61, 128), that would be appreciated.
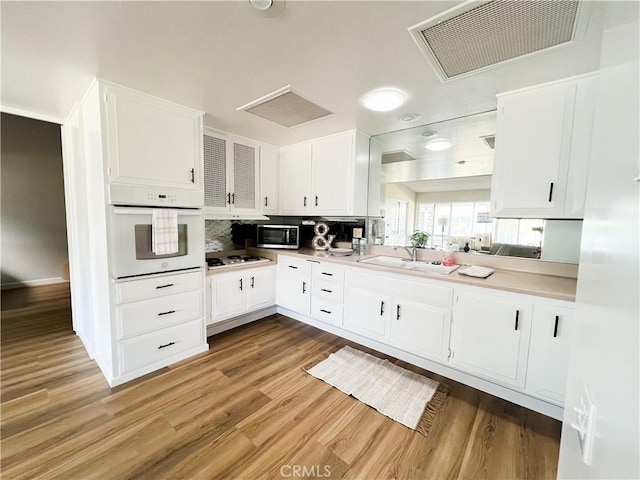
point(244, 409)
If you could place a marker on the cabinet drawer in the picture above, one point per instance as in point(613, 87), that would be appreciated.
point(326, 291)
point(326, 312)
point(129, 291)
point(148, 315)
point(158, 346)
point(328, 272)
point(293, 264)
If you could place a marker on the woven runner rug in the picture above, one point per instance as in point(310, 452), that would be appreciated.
point(406, 397)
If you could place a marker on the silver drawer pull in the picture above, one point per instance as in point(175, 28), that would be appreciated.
point(166, 313)
point(167, 345)
point(164, 286)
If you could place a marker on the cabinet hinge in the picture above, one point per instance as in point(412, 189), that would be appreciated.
point(106, 98)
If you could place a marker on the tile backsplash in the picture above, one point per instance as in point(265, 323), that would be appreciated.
point(217, 236)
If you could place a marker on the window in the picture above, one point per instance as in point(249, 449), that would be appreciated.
point(396, 222)
point(465, 220)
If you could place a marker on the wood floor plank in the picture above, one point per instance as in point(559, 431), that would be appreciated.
point(242, 410)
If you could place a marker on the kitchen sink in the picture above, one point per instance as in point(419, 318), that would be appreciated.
point(407, 264)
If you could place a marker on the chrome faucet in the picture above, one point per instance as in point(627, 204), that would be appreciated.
point(411, 251)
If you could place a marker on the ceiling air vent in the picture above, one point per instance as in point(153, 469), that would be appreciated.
point(489, 141)
point(397, 156)
point(478, 35)
point(286, 108)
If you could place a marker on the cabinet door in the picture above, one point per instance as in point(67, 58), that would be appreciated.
point(420, 329)
point(491, 336)
point(244, 194)
point(260, 287)
point(269, 180)
point(227, 296)
point(152, 142)
point(332, 175)
point(294, 290)
point(366, 312)
point(549, 351)
point(533, 145)
point(215, 173)
point(295, 179)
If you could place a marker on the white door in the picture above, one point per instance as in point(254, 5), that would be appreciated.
point(366, 312)
point(260, 287)
point(533, 144)
point(491, 335)
point(332, 175)
point(227, 296)
point(549, 351)
point(152, 142)
point(295, 179)
point(269, 180)
point(420, 328)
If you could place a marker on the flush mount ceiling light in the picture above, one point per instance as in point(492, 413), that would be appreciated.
point(438, 144)
point(261, 4)
point(383, 100)
point(266, 8)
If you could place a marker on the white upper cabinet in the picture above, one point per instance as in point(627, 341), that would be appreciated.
point(541, 151)
point(231, 176)
point(152, 141)
point(295, 179)
point(327, 176)
point(269, 203)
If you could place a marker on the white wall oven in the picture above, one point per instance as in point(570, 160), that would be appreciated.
point(132, 242)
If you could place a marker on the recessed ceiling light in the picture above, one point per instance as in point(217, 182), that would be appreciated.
point(438, 144)
point(383, 100)
point(429, 134)
point(408, 117)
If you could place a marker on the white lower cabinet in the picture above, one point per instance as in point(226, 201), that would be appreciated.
point(159, 320)
point(412, 315)
point(241, 291)
point(490, 335)
point(327, 299)
point(294, 284)
point(420, 328)
point(549, 350)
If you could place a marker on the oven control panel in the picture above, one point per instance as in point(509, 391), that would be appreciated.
point(122, 194)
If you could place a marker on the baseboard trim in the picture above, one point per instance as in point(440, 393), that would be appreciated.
point(33, 283)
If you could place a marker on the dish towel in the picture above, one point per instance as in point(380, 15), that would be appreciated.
point(164, 231)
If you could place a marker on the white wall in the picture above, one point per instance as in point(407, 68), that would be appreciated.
point(605, 350)
point(34, 238)
point(561, 241)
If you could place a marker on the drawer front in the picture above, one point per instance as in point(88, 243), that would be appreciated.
point(155, 347)
point(327, 312)
point(326, 291)
point(416, 290)
point(145, 316)
point(293, 264)
point(129, 291)
point(328, 272)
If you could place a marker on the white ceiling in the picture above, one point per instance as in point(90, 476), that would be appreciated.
point(219, 55)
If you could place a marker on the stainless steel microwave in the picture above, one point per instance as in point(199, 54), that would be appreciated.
point(278, 236)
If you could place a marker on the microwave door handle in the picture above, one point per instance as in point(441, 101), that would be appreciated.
point(286, 237)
